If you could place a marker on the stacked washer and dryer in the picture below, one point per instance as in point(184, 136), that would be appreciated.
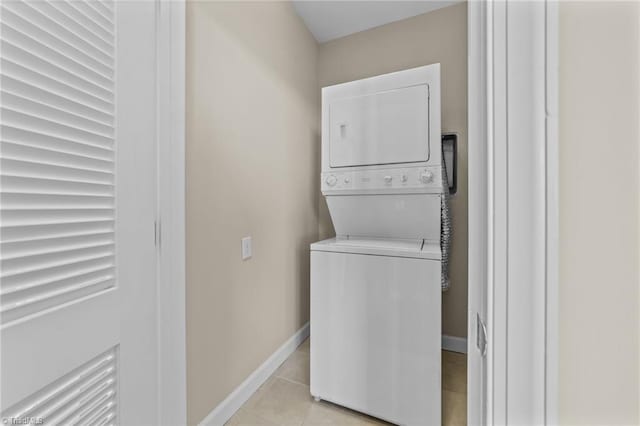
point(376, 287)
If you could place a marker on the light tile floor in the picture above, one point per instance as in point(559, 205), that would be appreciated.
point(284, 399)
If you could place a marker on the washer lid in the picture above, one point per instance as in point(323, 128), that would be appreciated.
point(419, 249)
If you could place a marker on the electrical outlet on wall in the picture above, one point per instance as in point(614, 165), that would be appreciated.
point(246, 248)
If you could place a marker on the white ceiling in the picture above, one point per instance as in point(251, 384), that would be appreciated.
point(333, 19)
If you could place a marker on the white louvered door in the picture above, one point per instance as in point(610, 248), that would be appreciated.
point(78, 201)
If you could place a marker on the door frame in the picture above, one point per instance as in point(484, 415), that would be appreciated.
point(170, 222)
point(513, 269)
point(489, 110)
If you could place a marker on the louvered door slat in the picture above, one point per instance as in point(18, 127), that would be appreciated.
point(35, 301)
point(61, 19)
point(21, 55)
point(105, 16)
point(57, 150)
point(16, 250)
point(96, 388)
point(15, 151)
point(12, 268)
point(49, 142)
point(99, 20)
point(58, 56)
point(44, 201)
point(48, 216)
point(52, 99)
point(49, 171)
point(100, 265)
point(53, 85)
point(34, 123)
point(24, 104)
point(51, 186)
point(83, 395)
point(92, 270)
point(29, 233)
point(58, 44)
point(103, 8)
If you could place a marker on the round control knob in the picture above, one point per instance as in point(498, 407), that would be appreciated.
point(388, 179)
point(426, 176)
point(331, 180)
point(404, 178)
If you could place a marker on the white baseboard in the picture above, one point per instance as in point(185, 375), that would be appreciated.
point(242, 393)
point(454, 344)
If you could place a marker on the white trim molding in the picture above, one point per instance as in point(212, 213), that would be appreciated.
point(513, 207)
point(454, 344)
point(479, 223)
point(553, 211)
point(170, 223)
point(232, 403)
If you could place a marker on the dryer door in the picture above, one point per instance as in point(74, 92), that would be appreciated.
point(387, 127)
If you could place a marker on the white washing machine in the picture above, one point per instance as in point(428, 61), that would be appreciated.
point(375, 325)
point(376, 287)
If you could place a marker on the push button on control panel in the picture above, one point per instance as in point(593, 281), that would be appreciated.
point(426, 176)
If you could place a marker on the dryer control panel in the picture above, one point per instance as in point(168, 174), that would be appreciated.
point(380, 181)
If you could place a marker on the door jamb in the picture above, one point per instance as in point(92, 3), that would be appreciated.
point(479, 224)
point(496, 289)
point(552, 321)
point(170, 223)
point(171, 211)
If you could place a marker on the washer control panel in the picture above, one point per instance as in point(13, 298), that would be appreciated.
point(413, 178)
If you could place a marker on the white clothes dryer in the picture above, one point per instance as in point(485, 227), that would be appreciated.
point(376, 287)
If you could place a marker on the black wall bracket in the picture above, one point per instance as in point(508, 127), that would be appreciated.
point(450, 159)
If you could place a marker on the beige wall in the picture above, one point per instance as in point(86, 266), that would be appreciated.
point(252, 149)
point(438, 36)
point(599, 256)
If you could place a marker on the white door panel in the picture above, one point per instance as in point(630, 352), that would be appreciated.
point(86, 395)
point(78, 204)
point(31, 358)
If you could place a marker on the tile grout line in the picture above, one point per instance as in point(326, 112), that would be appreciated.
point(286, 379)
